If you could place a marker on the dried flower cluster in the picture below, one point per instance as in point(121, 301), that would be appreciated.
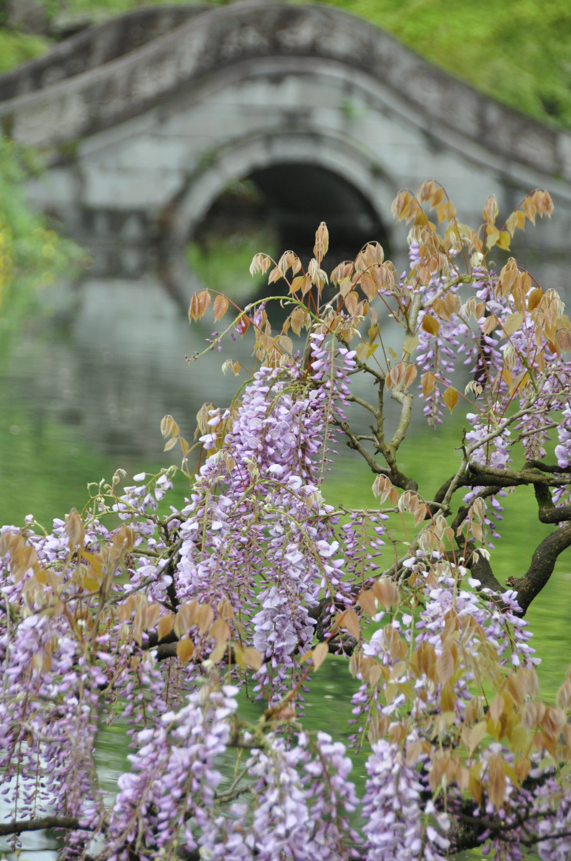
point(173, 619)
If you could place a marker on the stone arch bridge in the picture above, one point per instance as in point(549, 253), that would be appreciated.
point(145, 119)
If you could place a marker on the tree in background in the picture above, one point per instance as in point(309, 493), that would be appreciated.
point(171, 621)
point(31, 254)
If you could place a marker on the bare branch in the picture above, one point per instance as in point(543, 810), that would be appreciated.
point(543, 562)
point(521, 476)
point(355, 444)
point(553, 468)
point(41, 824)
point(554, 514)
point(548, 512)
point(405, 399)
point(365, 404)
point(480, 568)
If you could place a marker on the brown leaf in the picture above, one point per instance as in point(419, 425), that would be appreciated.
point(530, 209)
point(298, 320)
point(528, 681)
point(377, 728)
point(428, 381)
point(497, 780)
point(440, 309)
point(350, 621)
point(511, 222)
point(490, 324)
point(352, 302)
point(260, 263)
point(185, 617)
point(225, 610)
point(252, 658)
point(386, 592)
point(220, 631)
point(447, 698)
point(185, 650)
point(199, 305)
point(410, 344)
point(450, 398)
point(522, 767)
point(204, 618)
point(345, 286)
point(383, 276)
point(445, 212)
point(395, 375)
point(490, 212)
point(410, 376)
point(475, 788)
point(220, 307)
point(383, 488)
point(497, 707)
point(564, 695)
point(563, 340)
point(10, 542)
point(368, 286)
point(533, 715)
point(366, 601)
point(420, 513)
point(74, 528)
point(165, 625)
point(413, 751)
point(503, 240)
point(507, 376)
point(342, 271)
point(513, 323)
point(430, 324)
point(425, 659)
point(242, 325)
point(217, 653)
point(152, 615)
point(298, 284)
point(553, 721)
point(393, 641)
point(286, 343)
point(321, 241)
point(445, 665)
point(21, 561)
point(319, 655)
point(476, 734)
point(138, 622)
point(375, 674)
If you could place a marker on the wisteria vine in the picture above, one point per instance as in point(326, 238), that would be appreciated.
point(171, 620)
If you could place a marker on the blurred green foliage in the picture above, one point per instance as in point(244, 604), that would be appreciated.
point(517, 52)
point(31, 254)
point(16, 48)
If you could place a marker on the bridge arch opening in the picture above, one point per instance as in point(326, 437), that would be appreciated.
point(275, 208)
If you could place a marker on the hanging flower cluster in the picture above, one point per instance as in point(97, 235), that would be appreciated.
point(176, 617)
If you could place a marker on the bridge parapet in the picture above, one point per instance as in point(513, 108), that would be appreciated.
point(155, 134)
point(93, 47)
point(112, 88)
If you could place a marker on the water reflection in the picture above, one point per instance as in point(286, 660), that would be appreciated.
point(113, 360)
